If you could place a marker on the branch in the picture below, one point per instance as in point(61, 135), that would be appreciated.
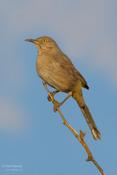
point(79, 136)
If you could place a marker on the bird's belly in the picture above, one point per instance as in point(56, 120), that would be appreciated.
point(54, 76)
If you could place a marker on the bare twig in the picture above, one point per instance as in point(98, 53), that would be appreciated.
point(80, 136)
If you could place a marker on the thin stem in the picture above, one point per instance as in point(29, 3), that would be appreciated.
point(79, 136)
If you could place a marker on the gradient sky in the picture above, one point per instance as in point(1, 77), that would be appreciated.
point(31, 135)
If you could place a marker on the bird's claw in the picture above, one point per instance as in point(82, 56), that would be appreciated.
point(50, 96)
point(51, 99)
point(56, 105)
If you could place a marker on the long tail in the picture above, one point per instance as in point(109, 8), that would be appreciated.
point(88, 117)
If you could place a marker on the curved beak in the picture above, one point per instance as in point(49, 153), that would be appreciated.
point(30, 40)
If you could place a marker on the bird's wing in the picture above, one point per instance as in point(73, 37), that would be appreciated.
point(84, 82)
point(69, 69)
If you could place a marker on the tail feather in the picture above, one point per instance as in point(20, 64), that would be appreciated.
point(95, 132)
point(88, 117)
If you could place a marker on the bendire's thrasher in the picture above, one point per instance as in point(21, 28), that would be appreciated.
point(57, 70)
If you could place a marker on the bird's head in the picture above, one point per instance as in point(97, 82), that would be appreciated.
point(44, 43)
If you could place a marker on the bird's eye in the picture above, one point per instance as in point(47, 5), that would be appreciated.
point(45, 40)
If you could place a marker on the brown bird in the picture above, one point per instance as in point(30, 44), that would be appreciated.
point(57, 70)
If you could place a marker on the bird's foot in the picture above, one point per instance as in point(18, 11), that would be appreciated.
point(51, 96)
point(56, 105)
point(52, 99)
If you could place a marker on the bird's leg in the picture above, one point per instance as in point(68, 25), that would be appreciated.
point(51, 97)
point(58, 104)
point(66, 98)
point(52, 94)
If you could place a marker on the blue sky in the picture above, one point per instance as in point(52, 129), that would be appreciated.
point(31, 135)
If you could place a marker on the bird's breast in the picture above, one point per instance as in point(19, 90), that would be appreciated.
point(44, 66)
point(54, 73)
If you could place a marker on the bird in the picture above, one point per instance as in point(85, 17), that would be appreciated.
point(57, 70)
